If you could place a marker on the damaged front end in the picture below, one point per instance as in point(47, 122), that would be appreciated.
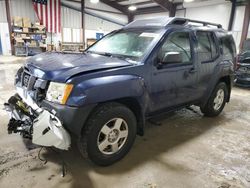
point(32, 121)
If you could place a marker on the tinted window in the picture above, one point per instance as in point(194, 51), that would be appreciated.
point(228, 47)
point(177, 42)
point(207, 49)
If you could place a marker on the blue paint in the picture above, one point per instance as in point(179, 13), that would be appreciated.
point(1, 51)
point(99, 36)
point(104, 77)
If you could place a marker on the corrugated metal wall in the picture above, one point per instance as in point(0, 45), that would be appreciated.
point(2, 12)
point(72, 19)
point(23, 8)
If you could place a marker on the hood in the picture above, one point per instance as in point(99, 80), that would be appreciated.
point(61, 66)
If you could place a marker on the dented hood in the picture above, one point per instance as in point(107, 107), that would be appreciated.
point(61, 66)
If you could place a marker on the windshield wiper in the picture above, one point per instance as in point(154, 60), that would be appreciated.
point(101, 53)
point(119, 56)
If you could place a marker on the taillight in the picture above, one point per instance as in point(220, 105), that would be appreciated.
point(237, 64)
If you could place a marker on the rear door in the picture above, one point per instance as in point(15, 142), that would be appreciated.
point(174, 83)
point(207, 48)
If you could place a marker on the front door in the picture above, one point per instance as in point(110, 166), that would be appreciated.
point(174, 75)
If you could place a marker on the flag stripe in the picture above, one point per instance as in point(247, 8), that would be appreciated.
point(46, 14)
point(41, 13)
point(49, 14)
point(59, 16)
point(55, 21)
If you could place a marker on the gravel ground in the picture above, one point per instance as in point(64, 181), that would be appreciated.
point(187, 150)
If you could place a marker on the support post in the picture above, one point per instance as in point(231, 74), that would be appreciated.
point(172, 10)
point(245, 25)
point(130, 17)
point(232, 15)
point(7, 6)
point(83, 22)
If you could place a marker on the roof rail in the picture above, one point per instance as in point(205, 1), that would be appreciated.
point(182, 21)
point(163, 22)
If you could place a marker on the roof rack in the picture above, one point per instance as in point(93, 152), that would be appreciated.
point(182, 21)
point(163, 22)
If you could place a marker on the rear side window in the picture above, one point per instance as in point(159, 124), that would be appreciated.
point(228, 47)
point(206, 48)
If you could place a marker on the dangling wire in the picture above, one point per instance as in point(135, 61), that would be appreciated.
point(64, 169)
point(39, 156)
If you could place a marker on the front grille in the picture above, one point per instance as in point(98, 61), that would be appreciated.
point(27, 80)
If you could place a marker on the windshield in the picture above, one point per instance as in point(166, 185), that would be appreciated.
point(130, 44)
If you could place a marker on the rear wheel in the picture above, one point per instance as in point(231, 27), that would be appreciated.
point(217, 101)
point(110, 133)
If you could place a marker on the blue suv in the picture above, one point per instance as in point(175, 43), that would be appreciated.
point(103, 96)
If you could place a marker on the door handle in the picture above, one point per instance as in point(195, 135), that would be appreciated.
point(192, 70)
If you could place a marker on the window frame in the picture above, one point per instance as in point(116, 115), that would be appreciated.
point(216, 45)
point(233, 45)
point(191, 49)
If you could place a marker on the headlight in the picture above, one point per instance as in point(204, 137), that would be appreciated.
point(58, 92)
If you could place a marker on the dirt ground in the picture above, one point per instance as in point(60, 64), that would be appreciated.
point(187, 150)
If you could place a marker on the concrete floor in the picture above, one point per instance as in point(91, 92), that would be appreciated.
point(187, 150)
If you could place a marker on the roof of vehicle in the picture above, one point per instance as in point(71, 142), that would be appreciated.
point(163, 22)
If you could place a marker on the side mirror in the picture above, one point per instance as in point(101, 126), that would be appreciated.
point(171, 57)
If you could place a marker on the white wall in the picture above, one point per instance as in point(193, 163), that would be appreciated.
point(238, 24)
point(23, 8)
point(155, 15)
point(2, 12)
point(5, 39)
point(217, 11)
point(72, 19)
point(117, 17)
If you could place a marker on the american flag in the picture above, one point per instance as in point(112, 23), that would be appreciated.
point(49, 14)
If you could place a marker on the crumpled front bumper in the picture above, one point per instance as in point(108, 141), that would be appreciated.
point(44, 127)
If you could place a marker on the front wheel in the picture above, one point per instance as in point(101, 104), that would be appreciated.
point(109, 134)
point(217, 101)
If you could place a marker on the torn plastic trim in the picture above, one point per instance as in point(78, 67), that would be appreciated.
point(48, 131)
point(28, 99)
point(47, 128)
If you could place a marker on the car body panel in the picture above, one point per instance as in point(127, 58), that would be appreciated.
point(243, 66)
point(102, 78)
point(60, 67)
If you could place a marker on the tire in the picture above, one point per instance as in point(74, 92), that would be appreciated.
point(109, 134)
point(215, 105)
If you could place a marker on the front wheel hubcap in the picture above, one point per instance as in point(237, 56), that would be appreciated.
point(219, 99)
point(112, 136)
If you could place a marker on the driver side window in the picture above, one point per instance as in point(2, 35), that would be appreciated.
point(177, 43)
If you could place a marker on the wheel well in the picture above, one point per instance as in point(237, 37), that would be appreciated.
point(130, 103)
point(135, 107)
point(227, 81)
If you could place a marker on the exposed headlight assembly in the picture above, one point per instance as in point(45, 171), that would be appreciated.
point(58, 92)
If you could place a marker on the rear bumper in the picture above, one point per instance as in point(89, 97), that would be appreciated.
point(242, 82)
